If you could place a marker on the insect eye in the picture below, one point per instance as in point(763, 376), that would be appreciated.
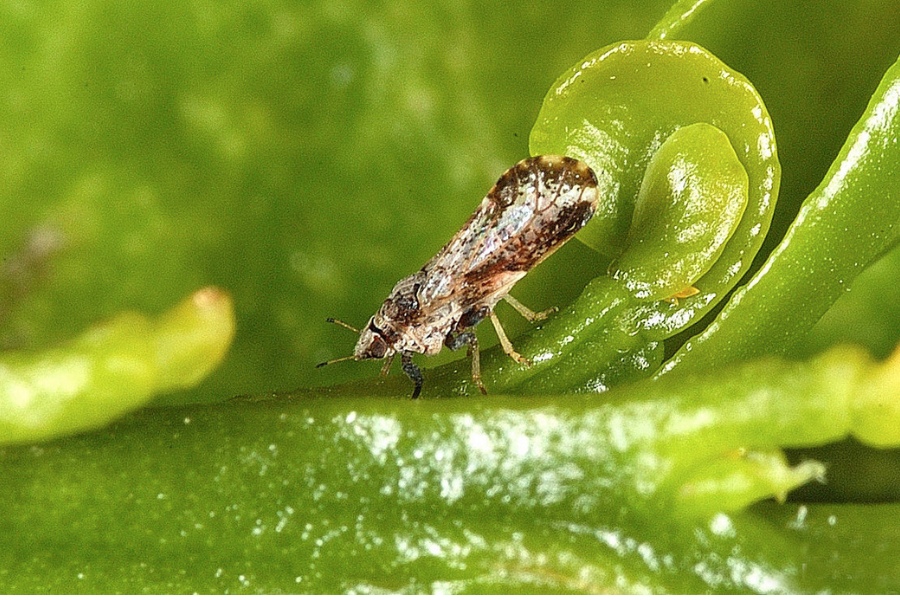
point(372, 343)
point(377, 348)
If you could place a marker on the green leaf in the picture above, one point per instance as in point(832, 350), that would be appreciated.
point(112, 369)
point(839, 231)
point(695, 178)
point(295, 493)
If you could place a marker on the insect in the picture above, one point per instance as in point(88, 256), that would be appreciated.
point(532, 210)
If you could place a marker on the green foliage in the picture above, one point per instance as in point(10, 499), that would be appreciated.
point(306, 156)
point(112, 369)
point(305, 494)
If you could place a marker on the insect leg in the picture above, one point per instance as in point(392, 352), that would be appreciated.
point(505, 343)
point(386, 367)
point(467, 338)
point(527, 312)
point(413, 372)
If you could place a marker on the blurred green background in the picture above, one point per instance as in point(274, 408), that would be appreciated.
point(307, 155)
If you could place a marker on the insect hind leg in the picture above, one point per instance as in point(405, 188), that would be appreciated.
point(386, 367)
point(467, 338)
point(413, 372)
point(506, 344)
point(527, 312)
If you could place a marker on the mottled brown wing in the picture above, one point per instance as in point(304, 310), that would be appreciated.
point(534, 208)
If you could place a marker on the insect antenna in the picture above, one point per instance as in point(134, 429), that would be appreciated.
point(334, 360)
point(342, 324)
point(337, 360)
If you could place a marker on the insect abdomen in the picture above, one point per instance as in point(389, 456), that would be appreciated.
point(534, 208)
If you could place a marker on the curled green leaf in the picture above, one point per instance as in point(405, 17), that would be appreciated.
point(691, 200)
point(112, 368)
point(849, 220)
point(617, 107)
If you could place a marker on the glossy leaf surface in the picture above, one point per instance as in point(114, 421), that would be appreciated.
point(304, 494)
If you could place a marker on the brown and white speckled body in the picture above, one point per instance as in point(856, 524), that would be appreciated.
point(533, 209)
